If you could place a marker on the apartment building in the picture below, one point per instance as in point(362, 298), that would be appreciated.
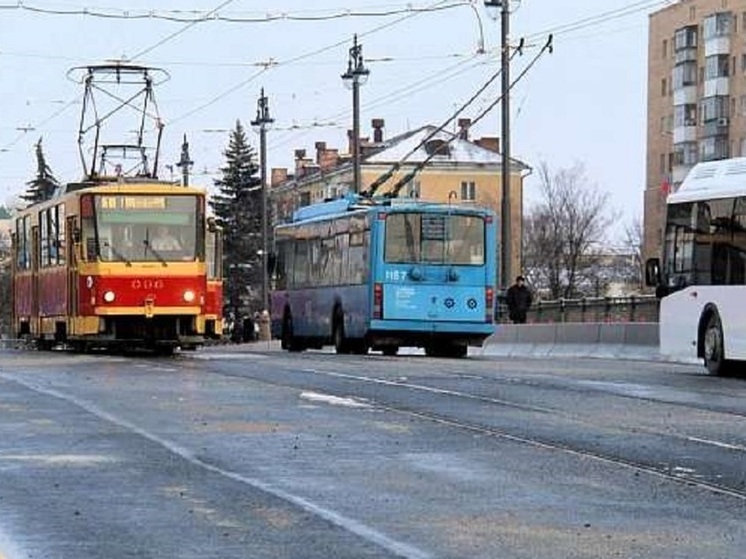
point(458, 170)
point(696, 97)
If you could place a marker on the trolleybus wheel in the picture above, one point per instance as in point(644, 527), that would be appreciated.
point(341, 344)
point(288, 340)
point(714, 348)
point(390, 350)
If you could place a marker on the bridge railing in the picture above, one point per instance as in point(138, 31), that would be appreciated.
point(633, 308)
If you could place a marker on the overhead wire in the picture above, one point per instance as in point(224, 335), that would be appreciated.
point(421, 165)
point(199, 17)
point(181, 31)
point(569, 27)
point(438, 77)
point(394, 168)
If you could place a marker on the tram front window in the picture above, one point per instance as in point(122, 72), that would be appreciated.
point(147, 228)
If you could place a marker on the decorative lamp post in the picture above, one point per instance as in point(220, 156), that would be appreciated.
point(355, 76)
point(261, 124)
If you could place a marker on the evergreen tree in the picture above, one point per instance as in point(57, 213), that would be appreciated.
point(237, 209)
point(43, 186)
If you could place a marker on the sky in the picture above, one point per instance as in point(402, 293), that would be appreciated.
point(585, 102)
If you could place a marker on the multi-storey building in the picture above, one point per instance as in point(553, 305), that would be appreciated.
point(457, 170)
point(696, 97)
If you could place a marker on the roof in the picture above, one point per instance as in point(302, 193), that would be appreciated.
point(459, 150)
point(724, 178)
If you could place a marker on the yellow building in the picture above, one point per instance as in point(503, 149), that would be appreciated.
point(458, 170)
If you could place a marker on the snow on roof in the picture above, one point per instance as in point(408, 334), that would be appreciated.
point(458, 150)
point(724, 178)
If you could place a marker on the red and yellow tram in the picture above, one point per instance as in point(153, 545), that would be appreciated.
point(121, 263)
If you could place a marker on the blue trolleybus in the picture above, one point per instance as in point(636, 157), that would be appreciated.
point(364, 274)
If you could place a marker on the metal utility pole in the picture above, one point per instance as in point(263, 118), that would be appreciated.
point(261, 124)
point(355, 76)
point(505, 221)
point(505, 175)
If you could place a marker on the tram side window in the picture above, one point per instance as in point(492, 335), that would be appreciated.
point(89, 239)
point(52, 236)
point(23, 251)
point(44, 238)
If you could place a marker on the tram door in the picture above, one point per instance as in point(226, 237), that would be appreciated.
point(35, 320)
point(72, 276)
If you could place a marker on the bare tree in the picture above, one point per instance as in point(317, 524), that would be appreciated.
point(565, 232)
point(633, 239)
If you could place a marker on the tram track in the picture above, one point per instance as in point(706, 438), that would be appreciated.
point(678, 475)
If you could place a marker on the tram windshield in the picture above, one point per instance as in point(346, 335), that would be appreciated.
point(142, 228)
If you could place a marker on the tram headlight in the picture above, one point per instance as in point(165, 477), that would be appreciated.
point(189, 296)
point(109, 296)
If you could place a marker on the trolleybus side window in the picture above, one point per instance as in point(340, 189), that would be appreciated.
point(739, 241)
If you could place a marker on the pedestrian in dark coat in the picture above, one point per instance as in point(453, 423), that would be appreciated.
point(519, 300)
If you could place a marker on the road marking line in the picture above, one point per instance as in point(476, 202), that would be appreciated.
point(403, 550)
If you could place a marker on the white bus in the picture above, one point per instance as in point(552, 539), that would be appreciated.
point(702, 277)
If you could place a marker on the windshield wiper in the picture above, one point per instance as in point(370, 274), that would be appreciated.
point(157, 254)
point(116, 253)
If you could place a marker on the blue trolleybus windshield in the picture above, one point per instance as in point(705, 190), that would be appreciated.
point(454, 239)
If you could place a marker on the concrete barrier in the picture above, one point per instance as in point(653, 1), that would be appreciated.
point(631, 340)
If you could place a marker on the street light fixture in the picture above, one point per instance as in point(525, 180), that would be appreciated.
point(261, 124)
point(355, 76)
point(502, 8)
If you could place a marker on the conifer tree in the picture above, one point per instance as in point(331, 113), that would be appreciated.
point(44, 184)
point(237, 208)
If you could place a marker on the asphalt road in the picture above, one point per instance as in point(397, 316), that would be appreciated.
point(236, 452)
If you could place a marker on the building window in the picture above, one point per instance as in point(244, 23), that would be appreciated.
point(664, 87)
point(717, 25)
point(685, 153)
point(468, 191)
point(663, 163)
point(713, 148)
point(717, 66)
point(714, 108)
point(685, 38)
point(685, 74)
point(743, 147)
point(665, 48)
point(685, 115)
point(692, 13)
point(413, 189)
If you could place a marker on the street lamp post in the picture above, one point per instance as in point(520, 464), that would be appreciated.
point(261, 124)
point(355, 76)
point(185, 163)
point(502, 7)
